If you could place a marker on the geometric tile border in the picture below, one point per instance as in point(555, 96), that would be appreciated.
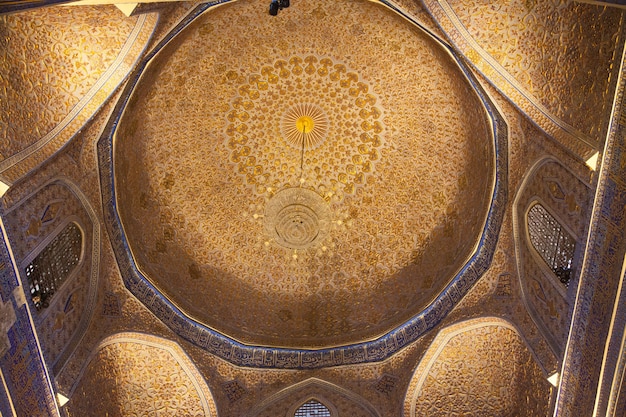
point(21, 365)
point(265, 357)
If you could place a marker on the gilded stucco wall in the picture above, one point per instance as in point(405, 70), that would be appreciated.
point(339, 401)
point(50, 59)
point(57, 66)
point(484, 369)
point(567, 198)
point(31, 225)
point(238, 390)
point(557, 60)
point(597, 312)
point(138, 374)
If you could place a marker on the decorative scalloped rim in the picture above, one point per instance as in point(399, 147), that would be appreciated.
point(241, 354)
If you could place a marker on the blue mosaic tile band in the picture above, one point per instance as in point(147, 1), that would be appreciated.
point(267, 357)
point(22, 365)
point(5, 404)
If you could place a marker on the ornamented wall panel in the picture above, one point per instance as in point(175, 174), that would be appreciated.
point(482, 368)
point(557, 60)
point(135, 374)
point(32, 224)
point(593, 329)
point(567, 200)
point(57, 66)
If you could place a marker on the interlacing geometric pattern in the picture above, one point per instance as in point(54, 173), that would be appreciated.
point(137, 374)
point(207, 197)
point(47, 272)
point(312, 408)
point(480, 367)
point(329, 107)
point(555, 245)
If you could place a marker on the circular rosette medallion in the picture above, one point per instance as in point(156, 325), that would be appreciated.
point(304, 126)
point(297, 218)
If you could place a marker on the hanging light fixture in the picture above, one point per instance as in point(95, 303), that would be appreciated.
point(297, 217)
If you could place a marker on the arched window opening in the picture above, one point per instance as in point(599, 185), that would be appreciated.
point(555, 245)
point(312, 408)
point(47, 272)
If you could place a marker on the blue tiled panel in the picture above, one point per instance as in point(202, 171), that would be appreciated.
point(22, 365)
point(5, 404)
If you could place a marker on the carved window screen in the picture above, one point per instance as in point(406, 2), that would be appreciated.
point(312, 408)
point(51, 267)
point(555, 245)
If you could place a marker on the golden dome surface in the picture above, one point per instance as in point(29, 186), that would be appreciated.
point(305, 180)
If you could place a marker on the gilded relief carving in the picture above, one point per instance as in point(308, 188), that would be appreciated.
point(484, 370)
point(567, 198)
point(49, 62)
point(557, 60)
point(59, 65)
point(340, 400)
point(201, 169)
point(319, 102)
point(136, 374)
point(120, 310)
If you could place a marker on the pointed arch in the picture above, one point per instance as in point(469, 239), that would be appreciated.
point(289, 399)
point(497, 376)
point(565, 198)
point(46, 211)
point(137, 372)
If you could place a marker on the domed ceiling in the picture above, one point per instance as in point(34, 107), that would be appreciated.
point(306, 180)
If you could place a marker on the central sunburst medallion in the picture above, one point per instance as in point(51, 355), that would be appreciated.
point(315, 105)
point(304, 122)
point(297, 218)
point(272, 254)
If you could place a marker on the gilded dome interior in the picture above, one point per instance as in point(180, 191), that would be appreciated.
point(332, 206)
point(344, 171)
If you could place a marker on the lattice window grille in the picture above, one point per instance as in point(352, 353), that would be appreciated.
point(51, 267)
point(555, 245)
point(312, 408)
